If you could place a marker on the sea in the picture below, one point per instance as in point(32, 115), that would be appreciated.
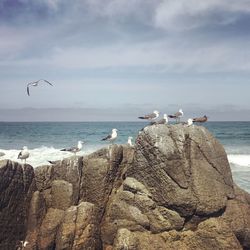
point(45, 139)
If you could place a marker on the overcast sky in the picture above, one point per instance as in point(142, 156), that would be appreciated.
point(116, 59)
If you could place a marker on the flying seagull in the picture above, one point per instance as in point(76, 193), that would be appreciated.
point(200, 119)
point(130, 141)
point(164, 120)
point(177, 116)
point(112, 136)
point(74, 150)
point(35, 84)
point(152, 116)
point(24, 154)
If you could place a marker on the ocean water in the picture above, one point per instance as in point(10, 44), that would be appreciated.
point(45, 139)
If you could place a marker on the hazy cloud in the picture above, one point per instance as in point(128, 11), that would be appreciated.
point(94, 47)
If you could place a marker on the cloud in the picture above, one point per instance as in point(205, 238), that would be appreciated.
point(193, 14)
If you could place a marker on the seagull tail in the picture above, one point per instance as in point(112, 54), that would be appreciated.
point(64, 149)
point(141, 117)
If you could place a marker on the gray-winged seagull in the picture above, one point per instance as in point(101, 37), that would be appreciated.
point(24, 154)
point(151, 116)
point(74, 150)
point(177, 116)
point(164, 120)
point(35, 84)
point(200, 119)
point(112, 136)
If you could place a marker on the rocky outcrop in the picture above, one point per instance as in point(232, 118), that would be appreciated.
point(17, 184)
point(173, 190)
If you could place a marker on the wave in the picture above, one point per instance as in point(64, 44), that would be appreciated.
point(239, 160)
point(40, 156)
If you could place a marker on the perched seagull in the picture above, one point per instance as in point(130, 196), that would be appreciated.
point(130, 141)
point(152, 116)
point(190, 122)
point(164, 120)
point(112, 136)
point(24, 154)
point(200, 119)
point(177, 116)
point(74, 150)
point(35, 84)
point(2, 154)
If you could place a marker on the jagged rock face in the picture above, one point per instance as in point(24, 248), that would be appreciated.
point(173, 190)
point(16, 188)
point(185, 168)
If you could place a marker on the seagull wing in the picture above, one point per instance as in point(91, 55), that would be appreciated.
point(19, 155)
point(73, 149)
point(177, 114)
point(107, 138)
point(148, 117)
point(28, 90)
point(47, 82)
point(172, 116)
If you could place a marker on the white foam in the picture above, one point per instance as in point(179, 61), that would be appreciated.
point(40, 156)
point(239, 159)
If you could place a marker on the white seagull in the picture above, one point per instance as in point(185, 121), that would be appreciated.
point(190, 122)
point(130, 141)
point(74, 150)
point(164, 120)
point(177, 115)
point(152, 116)
point(35, 84)
point(24, 154)
point(112, 136)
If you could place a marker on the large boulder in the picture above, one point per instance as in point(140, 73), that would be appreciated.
point(16, 187)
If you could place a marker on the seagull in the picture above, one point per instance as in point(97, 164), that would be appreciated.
point(2, 154)
point(35, 84)
point(164, 120)
point(152, 116)
point(200, 119)
point(190, 122)
point(112, 136)
point(24, 154)
point(74, 150)
point(177, 115)
point(130, 141)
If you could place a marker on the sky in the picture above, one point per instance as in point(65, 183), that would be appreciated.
point(120, 59)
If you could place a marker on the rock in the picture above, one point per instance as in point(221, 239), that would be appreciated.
point(78, 228)
point(237, 215)
point(49, 228)
point(16, 188)
point(61, 194)
point(211, 234)
point(181, 168)
point(173, 190)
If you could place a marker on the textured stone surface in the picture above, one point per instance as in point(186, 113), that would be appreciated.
point(16, 187)
point(184, 168)
point(173, 190)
